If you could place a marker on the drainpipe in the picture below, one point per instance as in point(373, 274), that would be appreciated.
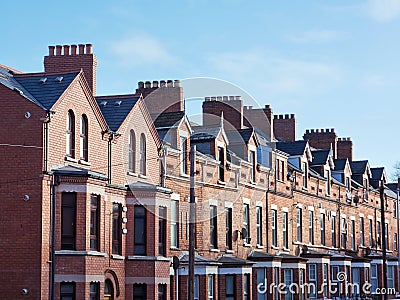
point(267, 210)
point(110, 138)
point(55, 182)
point(47, 120)
point(383, 237)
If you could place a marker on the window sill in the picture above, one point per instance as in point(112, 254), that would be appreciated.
point(71, 159)
point(184, 175)
point(142, 176)
point(246, 245)
point(274, 248)
point(285, 249)
point(132, 173)
point(260, 246)
point(229, 251)
point(304, 189)
point(215, 250)
point(84, 253)
point(84, 162)
point(221, 182)
point(174, 248)
point(117, 257)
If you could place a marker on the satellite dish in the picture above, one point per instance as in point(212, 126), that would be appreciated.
point(356, 199)
point(235, 235)
point(304, 249)
point(244, 233)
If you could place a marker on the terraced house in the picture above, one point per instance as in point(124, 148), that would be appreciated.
point(95, 196)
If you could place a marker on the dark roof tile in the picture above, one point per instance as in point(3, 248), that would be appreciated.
point(292, 148)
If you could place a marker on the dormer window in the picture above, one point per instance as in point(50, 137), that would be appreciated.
point(132, 151)
point(184, 160)
point(252, 160)
point(304, 168)
point(143, 157)
point(221, 167)
point(365, 189)
point(328, 182)
point(84, 138)
point(70, 134)
point(280, 170)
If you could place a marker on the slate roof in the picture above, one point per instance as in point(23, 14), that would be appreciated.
point(392, 186)
point(376, 173)
point(7, 79)
point(340, 164)
point(68, 170)
point(320, 157)
point(293, 148)
point(49, 92)
point(199, 260)
point(116, 108)
point(239, 136)
point(205, 133)
point(358, 167)
point(261, 255)
point(230, 260)
point(167, 119)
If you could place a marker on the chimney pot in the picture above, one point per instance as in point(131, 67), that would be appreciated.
point(213, 98)
point(332, 129)
point(292, 116)
point(89, 48)
point(163, 83)
point(225, 98)
point(238, 97)
point(219, 98)
point(73, 49)
point(81, 48)
point(312, 131)
point(66, 49)
point(323, 130)
point(155, 84)
point(231, 97)
point(51, 50)
point(207, 98)
point(267, 106)
point(58, 49)
point(170, 83)
point(280, 116)
point(177, 83)
point(286, 116)
point(140, 84)
point(317, 130)
point(307, 131)
point(147, 84)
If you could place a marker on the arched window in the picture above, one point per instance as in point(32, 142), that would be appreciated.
point(142, 154)
point(132, 148)
point(108, 290)
point(84, 138)
point(70, 142)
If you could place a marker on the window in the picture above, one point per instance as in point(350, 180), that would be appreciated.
point(333, 230)
point(184, 155)
point(362, 239)
point(259, 225)
point(174, 224)
point(336, 283)
point(288, 280)
point(322, 221)
point(387, 236)
point(252, 160)
point(343, 233)
point(162, 231)
point(246, 287)
point(356, 280)
point(394, 209)
point(132, 151)
point(311, 226)
point(305, 174)
point(162, 291)
point(84, 144)
point(116, 229)
point(143, 156)
point(196, 287)
point(108, 289)
point(378, 234)
point(395, 241)
point(262, 284)
point(67, 291)
point(328, 182)
point(274, 226)
point(285, 230)
point(228, 223)
point(94, 222)
point(94, 291)
point(246, 222)
point(374, 277)
point(70, 138)
point(140, 230)
point(280, 170)
point(302, 286)
point(68, 219)
point(221, 167)
point(230, 287)
point(353, 234)
point(390, 277)
point(276, 283)
point(210, 285)
point(347, 183)
point(139, 292)
point(299, 221)
point(312, 279)
point(371, 242)
point(365, 189)
point(213, 227)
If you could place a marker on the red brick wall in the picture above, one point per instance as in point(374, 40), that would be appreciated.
point(285, 127)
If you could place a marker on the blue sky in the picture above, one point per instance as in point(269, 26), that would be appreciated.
point(335, 64)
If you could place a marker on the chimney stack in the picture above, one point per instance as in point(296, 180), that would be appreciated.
point(345, 148)
point(322, 139)
point(69, 61)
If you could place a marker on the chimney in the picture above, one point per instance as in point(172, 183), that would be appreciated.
point(284, 127)
point(322, 139)
point(71, 61)
point(232, 109)
point(259, 118)
point(345, 148)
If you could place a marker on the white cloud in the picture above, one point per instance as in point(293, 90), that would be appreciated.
point(382, 10)
point(141, 49)
point(315, 36)
point(277, 74)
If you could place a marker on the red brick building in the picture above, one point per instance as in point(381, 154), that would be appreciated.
point(95, 196)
